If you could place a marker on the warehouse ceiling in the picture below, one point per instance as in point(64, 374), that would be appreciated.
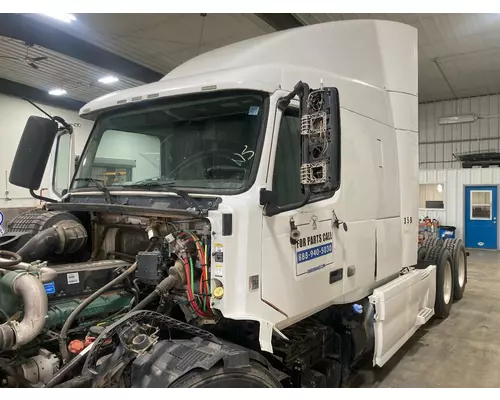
point(459, 54)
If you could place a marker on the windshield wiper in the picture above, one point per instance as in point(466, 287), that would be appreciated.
point(168, 184)
point(100, 185)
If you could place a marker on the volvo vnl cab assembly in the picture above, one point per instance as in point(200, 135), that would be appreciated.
point(250, 220)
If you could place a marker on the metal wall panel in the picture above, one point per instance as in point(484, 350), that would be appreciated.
point(78, 78)
point(454, 181)
point(438, 143)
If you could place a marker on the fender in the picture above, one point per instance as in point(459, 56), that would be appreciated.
point(168, 360)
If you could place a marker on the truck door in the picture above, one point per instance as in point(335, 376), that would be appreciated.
point(301, 271)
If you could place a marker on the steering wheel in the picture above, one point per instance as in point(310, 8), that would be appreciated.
point(224, 154)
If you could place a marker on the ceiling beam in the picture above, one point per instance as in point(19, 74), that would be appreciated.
point(32, 31)
point(15, 89)
point(280, 22)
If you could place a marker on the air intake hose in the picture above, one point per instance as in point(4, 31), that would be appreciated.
point(14, 334)
point(65, 237)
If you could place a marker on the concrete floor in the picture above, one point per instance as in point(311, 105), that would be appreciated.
point(461, 351)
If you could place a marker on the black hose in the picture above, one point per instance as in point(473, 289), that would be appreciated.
point(63, 336)
point(40, 245)
point(162, 288)
point(65, 236)
point(7, 264)
point(147, 300)
point(21, 380)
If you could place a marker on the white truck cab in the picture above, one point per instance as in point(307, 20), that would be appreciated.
point(300, 150)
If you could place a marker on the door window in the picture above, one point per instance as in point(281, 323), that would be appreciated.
point(61, 165)
point(480, 203)
point(286, 178)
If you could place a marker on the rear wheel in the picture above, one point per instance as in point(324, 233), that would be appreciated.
point(216, 377)
point(433, 242)
point(457, 249)
point(422, 250)
point(441, 257)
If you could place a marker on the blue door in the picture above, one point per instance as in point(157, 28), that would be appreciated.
point(481, 217)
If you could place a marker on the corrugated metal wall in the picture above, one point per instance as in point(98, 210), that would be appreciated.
point(454, 182)
point(439, 142)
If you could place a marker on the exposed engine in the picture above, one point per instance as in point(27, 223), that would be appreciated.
point(64, 279)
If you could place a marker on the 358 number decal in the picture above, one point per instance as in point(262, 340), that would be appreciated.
point(407, 220)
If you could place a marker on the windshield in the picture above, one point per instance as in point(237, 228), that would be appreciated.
point(206, 142)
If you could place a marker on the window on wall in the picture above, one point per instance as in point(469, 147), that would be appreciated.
point(432, 196)
point(480, 204)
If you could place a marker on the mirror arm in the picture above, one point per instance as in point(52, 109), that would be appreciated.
point(65, 125)
point(43, 198)
point(56, 118)
point(299, 89)
point(271, 209)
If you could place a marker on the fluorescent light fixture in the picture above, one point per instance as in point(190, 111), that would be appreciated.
point(57, 92)
point(108, 79)
point(68, 18)
point(457, 119)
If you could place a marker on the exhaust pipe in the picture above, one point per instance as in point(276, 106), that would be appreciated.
point(14, 334)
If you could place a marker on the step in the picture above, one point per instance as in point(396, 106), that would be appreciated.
point(424, 315)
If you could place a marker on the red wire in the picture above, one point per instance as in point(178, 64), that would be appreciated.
point(201, 281)
point(203, 288)
point(190, 292)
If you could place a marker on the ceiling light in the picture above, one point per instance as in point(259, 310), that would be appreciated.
point(458, 119)
point(108, 79)
point(57, 92)
point(68, 18)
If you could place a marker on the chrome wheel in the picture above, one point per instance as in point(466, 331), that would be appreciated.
point(447, 282)
point(461, 270)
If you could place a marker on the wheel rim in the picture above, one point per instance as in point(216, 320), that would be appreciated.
point(447, 284)
point(461, 270)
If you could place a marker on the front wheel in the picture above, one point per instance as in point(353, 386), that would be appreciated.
point(256, 376)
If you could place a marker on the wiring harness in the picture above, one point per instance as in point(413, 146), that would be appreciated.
point(199, 298)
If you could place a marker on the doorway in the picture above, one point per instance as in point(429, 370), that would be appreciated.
point(481, 217)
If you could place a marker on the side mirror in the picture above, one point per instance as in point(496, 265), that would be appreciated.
point(320, 132)
point(319, 145)
point(33, 153)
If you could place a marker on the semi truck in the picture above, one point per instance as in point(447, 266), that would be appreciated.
point(261, 232)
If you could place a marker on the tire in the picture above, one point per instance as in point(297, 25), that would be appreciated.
point(432, 242)
point(216, 377)
point(422, 251)
point(441, 257)
point(456, 248)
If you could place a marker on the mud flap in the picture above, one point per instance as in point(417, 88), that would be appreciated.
point(401, 307)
